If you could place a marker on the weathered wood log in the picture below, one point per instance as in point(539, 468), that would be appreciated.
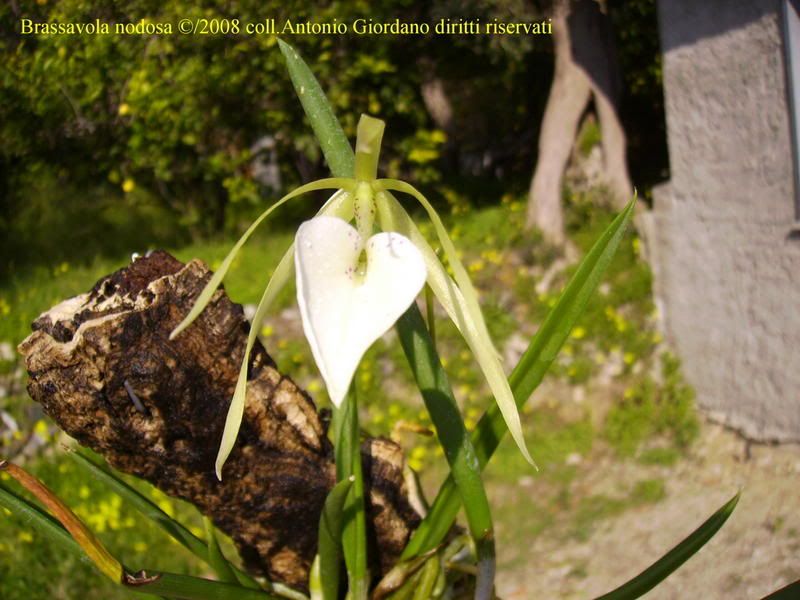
point(103, 367)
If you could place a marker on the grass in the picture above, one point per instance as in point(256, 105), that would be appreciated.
point(615, 347)
point(31, 567)
point(595, 508)
point(650, 411)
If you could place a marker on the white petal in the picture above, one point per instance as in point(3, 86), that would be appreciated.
point(343, 312)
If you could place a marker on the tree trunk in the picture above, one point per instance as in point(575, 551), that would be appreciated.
point(569, 94)
point(585, 66)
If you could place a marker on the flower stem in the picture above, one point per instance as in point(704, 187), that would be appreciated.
point(347, 453)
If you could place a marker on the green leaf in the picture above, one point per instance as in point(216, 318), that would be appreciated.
point(664, 566)
point(547, 342)
point(44, 523)
point(526, 376)
point(151, 511)
point(427, 581)
point(348, 467)
point(399, 576)
point(216, 559)
point(430, 315)
point(454, 438)
point(185, 587)
point(148, 582)
point(142, 504)
point(331, 137)
point(329, 551)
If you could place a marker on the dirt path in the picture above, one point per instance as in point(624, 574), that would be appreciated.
point(755, 553)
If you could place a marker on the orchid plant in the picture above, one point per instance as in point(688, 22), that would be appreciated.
point(352, 285)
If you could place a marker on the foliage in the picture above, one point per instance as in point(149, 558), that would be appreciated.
point(652, 409)
point(487, 235)
point(184, 124)
point(193, 131)
point(636, 36)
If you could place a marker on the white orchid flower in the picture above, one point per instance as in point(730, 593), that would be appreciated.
point(345, 307)
point(353, 283)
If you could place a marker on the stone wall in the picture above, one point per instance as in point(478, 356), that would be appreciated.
point(722, 235)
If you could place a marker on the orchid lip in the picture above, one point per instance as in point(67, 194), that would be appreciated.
point(343, 311)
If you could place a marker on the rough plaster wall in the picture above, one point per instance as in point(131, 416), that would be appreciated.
point(727, 271)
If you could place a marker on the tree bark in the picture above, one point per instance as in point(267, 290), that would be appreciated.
point(569, 94)
point(585, 67)
point(103, 367)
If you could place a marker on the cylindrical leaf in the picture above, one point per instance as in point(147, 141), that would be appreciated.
point(664, 566)
point(526, 376)
point(454, 438)
point(330, 539)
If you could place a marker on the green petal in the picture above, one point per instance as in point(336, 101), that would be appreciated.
point(467, 316)
point(205, 296)
point(340, 205)
point(459, 272)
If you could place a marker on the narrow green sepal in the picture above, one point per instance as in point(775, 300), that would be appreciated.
point(469, 316)
point(526, 376)
point(340, 205)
